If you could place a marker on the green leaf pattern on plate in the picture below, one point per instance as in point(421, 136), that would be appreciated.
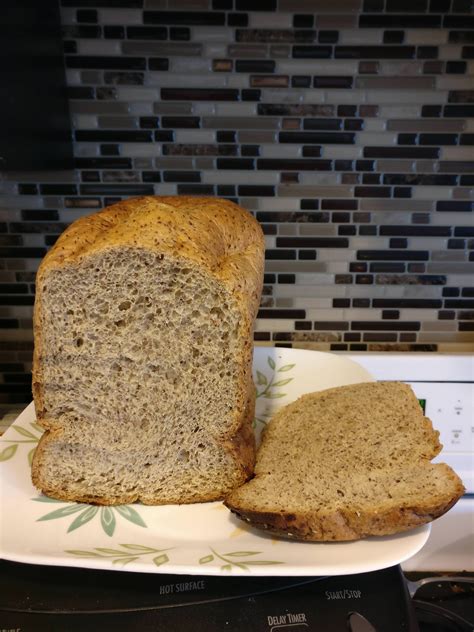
point(236, 559)
point(128, 553)
point(108, 515)
point(27, 436)
point(271, 384)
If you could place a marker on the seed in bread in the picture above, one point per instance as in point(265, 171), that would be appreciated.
point(143, 348)
point(346, 463)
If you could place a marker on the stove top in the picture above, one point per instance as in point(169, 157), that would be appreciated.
point(53, 599)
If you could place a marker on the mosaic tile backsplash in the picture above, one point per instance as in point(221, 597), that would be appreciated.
point(346, 126)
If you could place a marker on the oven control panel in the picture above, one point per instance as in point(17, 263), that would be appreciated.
point(444, 384)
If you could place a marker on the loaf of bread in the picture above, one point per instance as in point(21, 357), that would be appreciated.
point(346, 463)
point(143, 349)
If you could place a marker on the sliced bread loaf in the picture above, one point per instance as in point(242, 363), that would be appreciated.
point(345, 463)
point(143, 348)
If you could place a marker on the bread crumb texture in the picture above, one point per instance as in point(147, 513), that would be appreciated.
point(345, 463)
point(143, 348)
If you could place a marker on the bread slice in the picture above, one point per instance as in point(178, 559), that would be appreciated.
point(345, 463)
point(143, 349)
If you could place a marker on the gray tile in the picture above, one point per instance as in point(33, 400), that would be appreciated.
point(395, 83)
point(426, 125)
point(450, 267)
point(254, 51)
point(167, 107)
point(395, 166)
point(98, 107)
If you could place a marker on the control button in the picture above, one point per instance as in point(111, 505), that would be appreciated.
point(358, 623)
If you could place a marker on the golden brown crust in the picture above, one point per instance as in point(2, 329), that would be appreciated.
point(349, 524)
point(221, 237)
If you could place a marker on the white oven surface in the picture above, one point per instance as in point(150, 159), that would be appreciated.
point(445, 384)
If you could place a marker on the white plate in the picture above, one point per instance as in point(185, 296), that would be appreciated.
point(202, 539)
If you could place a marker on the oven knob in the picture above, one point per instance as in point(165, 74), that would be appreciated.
point(358, 623)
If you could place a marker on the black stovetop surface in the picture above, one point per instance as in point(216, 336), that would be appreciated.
point(53, 599)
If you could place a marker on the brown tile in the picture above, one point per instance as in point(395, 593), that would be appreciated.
point(395, 166)
point(254, 51)
point(368, 111)
point(290, 123)
point(336, 21)
point(269, 81)
point(292, 177)
point(433, 67)
point(256, 137)
point(368, 67)
point(463, 193)
point(222, 65)
point(240, 122)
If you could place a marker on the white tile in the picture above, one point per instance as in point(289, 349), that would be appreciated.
point(98, 47)
point(195, 136)
point(323, 314)
point(270, 241)
point(274, 324)
point(369, 242)
point(121, 16)
point(374, 125)
point(307, 302)
point(137, 93)
point(267, 20)
point(337, 267)
point(204, 108)
point(426, 36)
point(305, 280)
point(84, 121)
point(214, 50)
point(362, 314)
point(345, 152)
point(234, 108)
point(360, 36)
